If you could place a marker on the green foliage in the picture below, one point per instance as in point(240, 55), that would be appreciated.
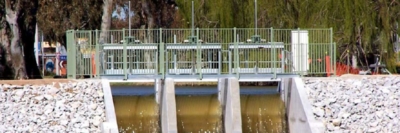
point(369, 23)
point(57, 16)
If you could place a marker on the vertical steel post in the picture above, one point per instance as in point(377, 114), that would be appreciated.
point(162, 58)
point(71, 58)
point(192, 18)
point(90, 54)
point(236, 53)
point(158, 53)
point(299, 49)
point(230, 61)
point(175, 61)
point(219, 62)
point(129, 17)
point(283, 61)
point(333, 52)
point(255, 16)
point(97, 55)
point(334, 58)
point(274, 51)
point(124, 54)
point(198, 58)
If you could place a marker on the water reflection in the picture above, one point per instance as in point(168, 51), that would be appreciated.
point(262, 113)
point(138, 114)
point(198, 110)
point(198, 114)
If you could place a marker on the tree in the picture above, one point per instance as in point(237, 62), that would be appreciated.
point(106, 19)
point(17, 24)
point(359, 26)
point(145, 15)
point(57, 16)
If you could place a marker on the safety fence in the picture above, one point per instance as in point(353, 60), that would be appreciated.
point(305, 52)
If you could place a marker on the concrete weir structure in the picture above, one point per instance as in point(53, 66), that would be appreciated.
point(298, 108)
point(110, 125)
point(229, 97)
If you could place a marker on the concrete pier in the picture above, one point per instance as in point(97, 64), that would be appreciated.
point(298, 108)
point(229, 97)
point(168, 106)
point(158, 85)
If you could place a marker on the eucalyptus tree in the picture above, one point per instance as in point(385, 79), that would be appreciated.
point(17, 29)
point(55, 17)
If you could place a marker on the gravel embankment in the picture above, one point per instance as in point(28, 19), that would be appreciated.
point(366, 104)
point(59, 107)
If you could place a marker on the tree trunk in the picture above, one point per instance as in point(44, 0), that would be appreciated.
point(17, 55)
point(149, 37)
point(105, 26)
point(28, 28)
point(106, 20)
point(5, 55)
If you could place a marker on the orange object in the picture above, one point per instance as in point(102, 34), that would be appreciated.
point(63, 67)
point(342, 69)
point(93, 65)
point(328, 65)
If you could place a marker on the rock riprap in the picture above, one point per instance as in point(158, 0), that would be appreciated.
point(61, 107)
point(368, 104)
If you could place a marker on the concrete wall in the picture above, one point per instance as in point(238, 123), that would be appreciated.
point(110, 125)
point(229, 97)
point(158, 85)
point(298, 108)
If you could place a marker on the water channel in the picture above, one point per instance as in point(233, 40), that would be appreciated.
point(198, 109)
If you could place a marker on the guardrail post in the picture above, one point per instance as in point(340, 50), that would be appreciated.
point(90, 54)
point(283, 61)
point(124, 54)
point(300, 65)
point(71, 57)
point(274, 52)
point(236, 53)
point(333, 51)
point(230, 61)
point(219, 62)
point(162, 58)
point(157, 64)
point(334, 59)
point(198, 58)
point(97, 55)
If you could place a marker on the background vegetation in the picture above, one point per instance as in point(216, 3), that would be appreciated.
point(360, 26)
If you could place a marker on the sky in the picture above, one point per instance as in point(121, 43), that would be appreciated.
point(122, 15)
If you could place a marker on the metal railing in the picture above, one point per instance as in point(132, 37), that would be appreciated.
point(230, 51)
